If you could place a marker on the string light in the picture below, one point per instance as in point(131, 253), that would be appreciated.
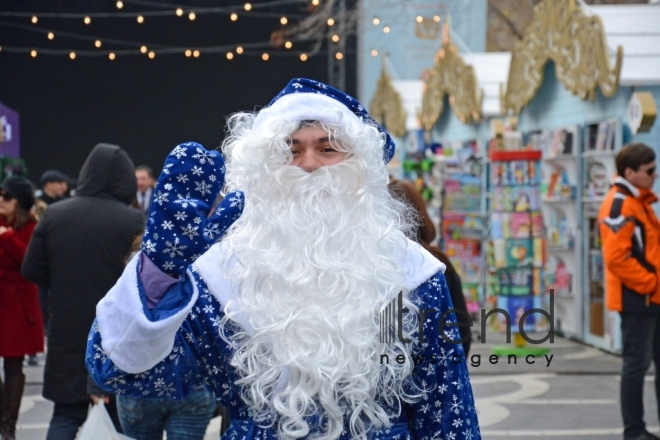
point(374, 53)
point(230, 56)
point(51, 35)
point(97, 43)
point(188, 52)
point(33, 53)
point(179, 12)
point(196, 53)
point(419, 19)
point(248, 6)
point(315, 2)
point(288, 45)
point(72, 55)
point(331, 21)
point(303, 57)
point(152, 55)
point(140, 19)
point(335, 38)
point(239, 50)
point(34, 19)
point(120, 4)
point(386, 29)
point(87, 20)
point(192, 16)
point(233, 16)
point(284, 21)
point(436, 19)
point(111, 55)
point(339, 55)
point(376, 21)
point(265, 57)
point(143, 49)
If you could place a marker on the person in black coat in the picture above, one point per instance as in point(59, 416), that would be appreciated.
point(77, 252)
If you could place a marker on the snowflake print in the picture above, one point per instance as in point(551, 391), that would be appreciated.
point(181, 216)
point(197, 171)
point(212, 178)
point(166, 170)
point(161, 198)
point(210, 232)
point(208, 308)
point(174, 249)
point(167, 225)
point(148, 247)
point(182, 178)
point(456, 405)
point(185, 201)
point(203, 156)
point(168, 265)
point(190, 231)
point(168, 186)
point(203, 188)
point(178, 152)
point(457, 423)
point(197, 220)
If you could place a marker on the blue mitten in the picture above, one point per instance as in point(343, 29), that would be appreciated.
point(179, 228)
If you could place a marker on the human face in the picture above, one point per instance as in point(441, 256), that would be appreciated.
point(644, 177)
point(312, 149)
point(144, 182)
point(55, 189)
point(7, 207)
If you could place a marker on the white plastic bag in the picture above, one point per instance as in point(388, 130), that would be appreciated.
point(99, 426)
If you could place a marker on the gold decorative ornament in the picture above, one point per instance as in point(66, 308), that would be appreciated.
point(452, 76)
point(387, 106)
point(560, 31)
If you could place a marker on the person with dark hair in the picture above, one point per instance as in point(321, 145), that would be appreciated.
point(630, 231)
point(78, 252)
point(21, 326)
point(145, 187)
point(54, 186)
point(425, 235)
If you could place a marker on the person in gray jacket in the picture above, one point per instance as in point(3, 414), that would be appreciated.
point(77, 252)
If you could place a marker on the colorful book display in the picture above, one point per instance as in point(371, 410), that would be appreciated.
point(516, 248)
point(463, 227)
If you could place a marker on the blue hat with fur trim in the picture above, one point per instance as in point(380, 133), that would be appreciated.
point(325, 104)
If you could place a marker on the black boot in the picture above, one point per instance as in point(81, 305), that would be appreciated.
point(12, 395)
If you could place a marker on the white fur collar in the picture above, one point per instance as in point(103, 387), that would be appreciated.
point(420, 265)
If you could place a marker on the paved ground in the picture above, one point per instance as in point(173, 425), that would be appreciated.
point(575, 397)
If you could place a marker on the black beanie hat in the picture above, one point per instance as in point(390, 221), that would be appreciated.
point(21, 190)
point(53, 176)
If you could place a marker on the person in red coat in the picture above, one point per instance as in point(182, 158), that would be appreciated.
point(21, 324)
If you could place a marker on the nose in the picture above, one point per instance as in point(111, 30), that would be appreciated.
point(309, 161)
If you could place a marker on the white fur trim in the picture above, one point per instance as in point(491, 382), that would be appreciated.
point(307, 106)
point(419, 264)
point(130, 340)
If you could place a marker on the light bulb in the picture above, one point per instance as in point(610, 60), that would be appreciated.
point(34, 19)
point(51, 35)
point(283, 21)
point(436, 19)
point(303, 57)
point(179, 12)
point(374, 53)
point(331, 21)
point(188, 52)
point(339, 55)
point(196, 53)
point(192, 16)
point(87, 20)
point(120, 4)
point(335, 38)
point(248, 6)
point(386, 29)
point(288, 45)
point(239, 50)
point(419, 19)
point(111, 55)
point(97, 43)
point(140, 19)
point(315, 2)
point(233, 16)
point(376, 21)
point(33, 53)
point(152, 54)
point(143, 49)
point(230, 56)
point(72, 55)
point(265, 57)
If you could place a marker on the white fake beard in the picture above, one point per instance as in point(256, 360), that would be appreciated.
point(318, 259)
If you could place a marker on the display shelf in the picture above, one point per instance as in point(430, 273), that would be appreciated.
point(599, 154)
point(558, 200)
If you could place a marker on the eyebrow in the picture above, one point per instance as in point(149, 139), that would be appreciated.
point(318, 141)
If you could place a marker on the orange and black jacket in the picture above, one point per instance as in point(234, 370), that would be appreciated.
point(630, 231)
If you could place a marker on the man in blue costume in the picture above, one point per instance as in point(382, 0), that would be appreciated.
point(282, 320)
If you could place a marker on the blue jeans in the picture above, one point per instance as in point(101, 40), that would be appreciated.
point(145, 419)
point(641, 345)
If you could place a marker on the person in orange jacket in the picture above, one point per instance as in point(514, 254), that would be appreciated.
point(630, 231)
